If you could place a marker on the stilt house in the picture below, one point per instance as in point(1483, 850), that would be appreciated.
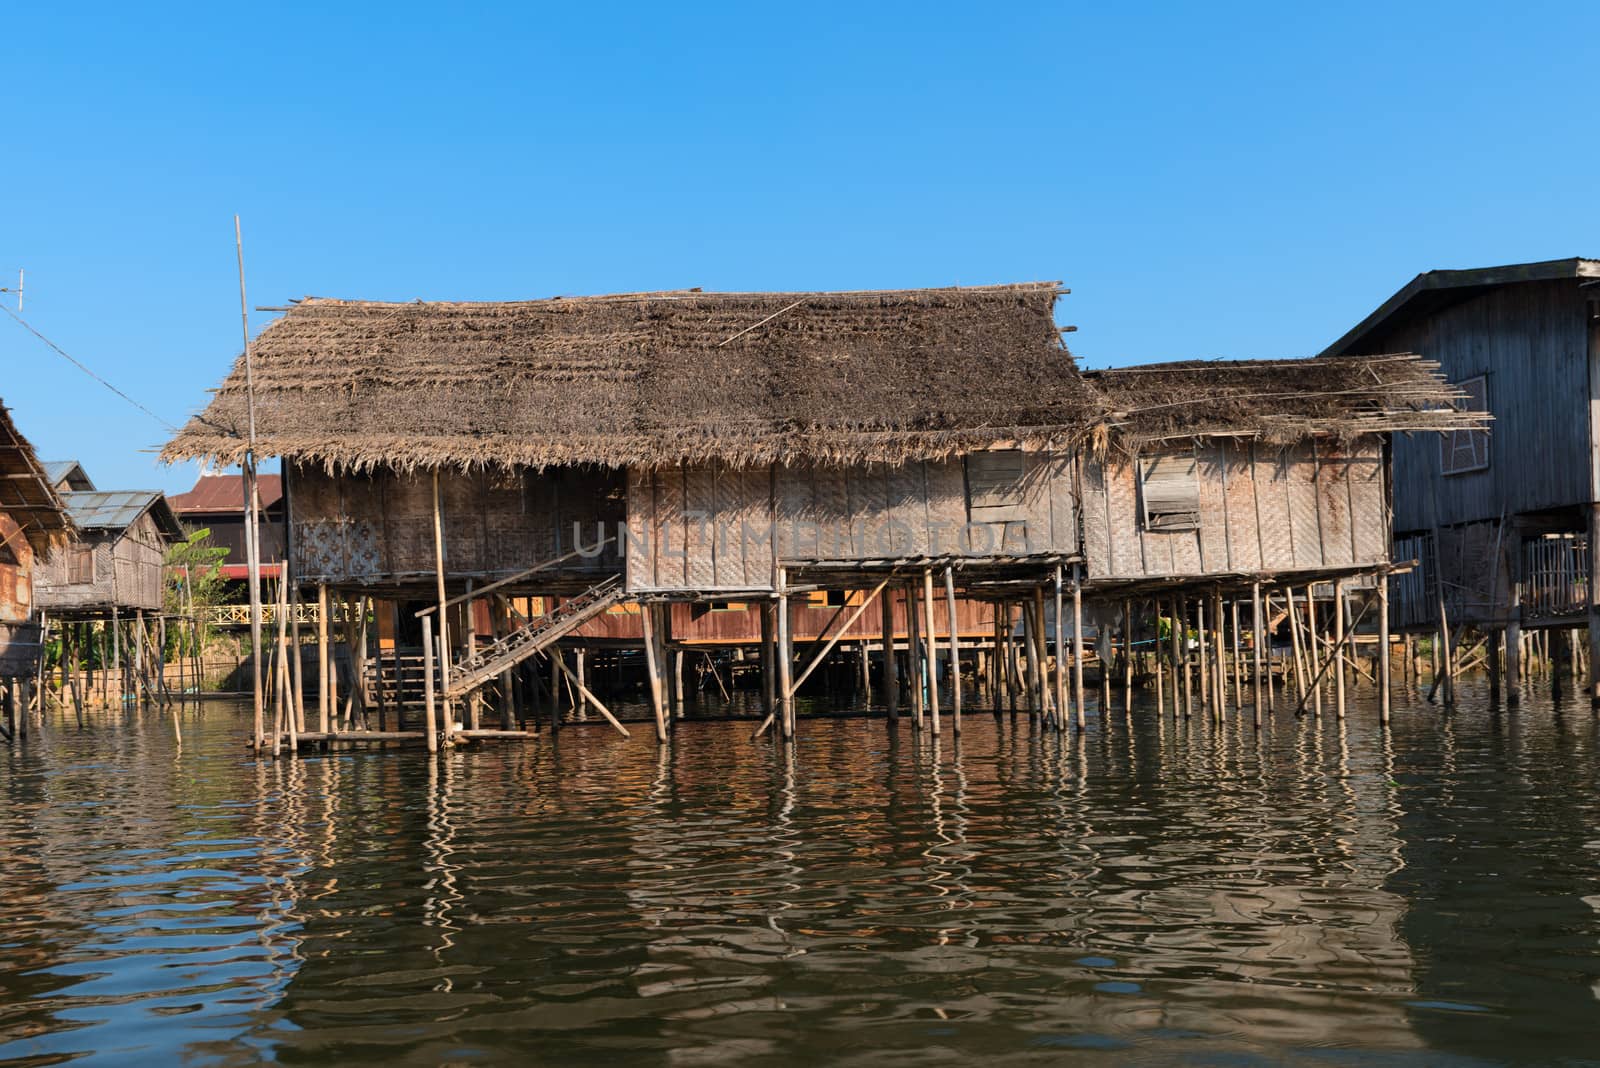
point(33, 527)
point(1502, 517)
point(714, 447)
point(114, 564)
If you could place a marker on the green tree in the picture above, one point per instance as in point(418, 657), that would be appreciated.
point(195, 581)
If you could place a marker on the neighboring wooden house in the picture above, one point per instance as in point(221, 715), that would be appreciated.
point(216, 503)
point(115, 563)
point(33, 529)
point(714, 447)
point(1504, 516)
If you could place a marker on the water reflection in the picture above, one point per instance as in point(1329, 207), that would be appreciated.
point(1183, 888)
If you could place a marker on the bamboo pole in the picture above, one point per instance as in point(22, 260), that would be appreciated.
point(1338, 650)
point(431, 720)
point(652, 665)
point(1385, 683)
point(914, 658)
point(1314, 639)
point(1127, 656)
point(1180, 660)
point(1258, 633)
point(585, 694)
point(955, 647)
point(1077, 647)
point(933, 650)
point(444, 618)
point(785, 659)
point(891, 676)
point(1161, 697)
point(1060, 648)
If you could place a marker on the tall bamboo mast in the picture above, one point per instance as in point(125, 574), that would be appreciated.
point(252, 531)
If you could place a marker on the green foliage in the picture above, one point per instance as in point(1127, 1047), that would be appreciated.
point(194, 577)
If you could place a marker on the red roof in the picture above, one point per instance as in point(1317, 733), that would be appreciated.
point(241, 572)
point(225, 493)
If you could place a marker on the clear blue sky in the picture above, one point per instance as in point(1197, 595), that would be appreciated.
point(1209, 180)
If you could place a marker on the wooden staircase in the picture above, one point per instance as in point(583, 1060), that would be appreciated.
point(489, 662)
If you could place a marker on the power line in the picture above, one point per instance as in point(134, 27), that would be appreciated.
point(68, 357)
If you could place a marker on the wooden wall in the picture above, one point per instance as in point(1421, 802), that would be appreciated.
point(707, 527)
point(127, 571)
point(1261, 508)
point(702, 624)
point(377, 526)
point(16, 579)
point(1530, 340)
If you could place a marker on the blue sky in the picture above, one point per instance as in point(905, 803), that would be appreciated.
point(1210, 180)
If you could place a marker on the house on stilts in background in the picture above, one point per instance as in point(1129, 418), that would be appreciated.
point(104, 593)
point(1503, 521)
point(34, 527)
point(496, 479)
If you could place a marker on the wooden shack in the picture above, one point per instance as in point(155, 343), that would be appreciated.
point(688, 447)
point(33, 528)
point(114, 565)
point(1502, 517)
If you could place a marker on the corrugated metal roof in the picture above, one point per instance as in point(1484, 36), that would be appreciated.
point(225, 493)
point(57, 470)
point(114, 509)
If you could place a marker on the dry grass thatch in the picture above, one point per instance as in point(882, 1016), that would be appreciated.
point(752, 378)
point(26, 494)
point(651, 379)
point(1280, 401)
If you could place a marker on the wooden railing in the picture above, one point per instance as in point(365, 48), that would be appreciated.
point(1555, 576)
point(238, 615)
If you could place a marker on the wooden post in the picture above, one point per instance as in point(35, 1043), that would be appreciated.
point(444, 620)
point(144, 681)
point(430, 719)
point(1385, 658)
point(1127, 656)
point(652, 655)
point(1514, 660)
point(1161, 696)
point(1060, 649)
point(324, 716)
point(1236, 652)
point(999, 660)
point(1219, 680)
point(469, 636)
point(1179, 638)
point(116, 652)
point(891, 679)
point(1313, 646)
point(1205, 652)
point(914, 658)
point(769, 660)
point(1049, 711)
point(1030, 649)
point(1077, 647)
point(1258, 632)
point(933, 650)
point(785, 659)
point(1181, 649)
point(955, 647)
point(1338, 646)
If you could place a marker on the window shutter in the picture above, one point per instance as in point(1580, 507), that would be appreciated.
point(1170, 485)
point(1461, 451)
point(995, 485)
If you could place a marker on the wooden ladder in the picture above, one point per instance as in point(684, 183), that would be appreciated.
point(488, 663)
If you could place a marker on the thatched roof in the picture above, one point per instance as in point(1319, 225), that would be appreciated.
point(1280, 401)
point(26, 493)
point(653, 378)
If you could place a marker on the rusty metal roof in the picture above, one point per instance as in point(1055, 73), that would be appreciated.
point(225, 493)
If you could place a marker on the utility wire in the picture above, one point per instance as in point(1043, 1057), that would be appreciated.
point(68, 357)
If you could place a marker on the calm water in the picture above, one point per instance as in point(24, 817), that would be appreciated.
point(1165, 895)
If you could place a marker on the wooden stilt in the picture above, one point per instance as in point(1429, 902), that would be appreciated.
point(1044, 697)
point(1338, 646)
point(1160, 653)
point(1060, 636)
point(1385, 655)
point(430, 721)
point(891, 674)
point(933, 649)
point(444, 620)
point(1258, 638)
point(998, 668)
point(324, 716)
point(652, 654)
point(785, 660)
point(1180, 660)
point(1202, 631)
point(1077, 647)
point(1127, 657)
point(955, 649)
point(914, 658)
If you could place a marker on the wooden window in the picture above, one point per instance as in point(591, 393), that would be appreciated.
point(1461, 451)
point(80, 565)
point(728, 606)
point(1169, 491)
point(995, 490)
